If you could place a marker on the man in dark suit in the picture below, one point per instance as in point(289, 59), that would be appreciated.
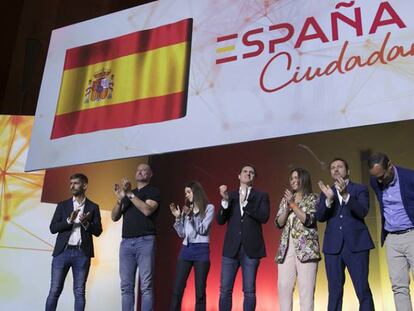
point(347, 240)
point(75, 220)
point(394, 188)
point(244, 211)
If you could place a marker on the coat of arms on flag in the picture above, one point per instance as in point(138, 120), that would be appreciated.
point(151, 69)
point(100, 87)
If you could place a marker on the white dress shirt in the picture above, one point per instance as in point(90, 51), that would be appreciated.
point(75, 236)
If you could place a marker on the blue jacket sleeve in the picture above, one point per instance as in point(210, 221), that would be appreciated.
point(359, 202)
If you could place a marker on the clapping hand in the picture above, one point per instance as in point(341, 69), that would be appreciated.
point(327, 190)
point(187, 210)
point(84, 218)
point(73, 216)
point(119, 192)
point(340, 184)
point(126, 185)
point(175, 210)
point(288, 196)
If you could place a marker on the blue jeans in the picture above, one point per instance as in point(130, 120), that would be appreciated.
point(229, 268)
point(137, 253)
point(80, 264)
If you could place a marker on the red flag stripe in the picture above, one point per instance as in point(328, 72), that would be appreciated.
point(228, 37)
point(149, 110)
point(135, 42)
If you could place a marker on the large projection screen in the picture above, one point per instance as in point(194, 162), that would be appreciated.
point(184, 74)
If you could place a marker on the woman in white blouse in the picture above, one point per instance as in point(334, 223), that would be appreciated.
point(192, 224)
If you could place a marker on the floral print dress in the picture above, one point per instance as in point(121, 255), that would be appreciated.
point(304, 235)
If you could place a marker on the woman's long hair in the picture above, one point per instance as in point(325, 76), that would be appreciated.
point(199, 196)
point(305, 184)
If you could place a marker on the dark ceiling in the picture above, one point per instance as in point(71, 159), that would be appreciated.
point(27, 26)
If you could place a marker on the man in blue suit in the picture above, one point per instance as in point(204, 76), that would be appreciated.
point(394, 188)
point(75, 221)
point(347, 240)
point(244, 211)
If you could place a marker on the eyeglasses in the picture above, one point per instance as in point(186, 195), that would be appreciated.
point(386, 174)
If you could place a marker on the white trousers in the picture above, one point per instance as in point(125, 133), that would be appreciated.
point(290, 270)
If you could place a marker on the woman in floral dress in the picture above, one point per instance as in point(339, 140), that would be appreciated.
point(298, 253)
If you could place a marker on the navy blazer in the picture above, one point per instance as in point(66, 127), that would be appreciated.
point(406, 179)
point(346, 222)
point(60, 225)
point(246, 230)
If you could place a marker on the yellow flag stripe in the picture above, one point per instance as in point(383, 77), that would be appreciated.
point(225, 49)
point(138, 76)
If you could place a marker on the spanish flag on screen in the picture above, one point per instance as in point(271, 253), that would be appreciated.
point(134, 79)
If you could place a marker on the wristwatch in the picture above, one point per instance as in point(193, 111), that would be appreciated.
point(131, 196)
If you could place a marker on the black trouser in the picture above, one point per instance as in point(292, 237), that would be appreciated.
point(201, 269)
